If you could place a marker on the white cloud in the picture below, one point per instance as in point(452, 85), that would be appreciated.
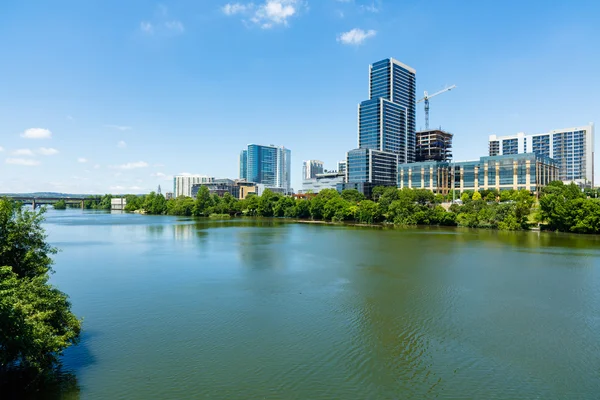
point(36, 133)
point(22, 161)
point(1, 148)
point(159, 175)
point(146, 27)
point(135, 188)
point(120, 127)
point(184, 174)
point(174, 26)
point(236, 8)
point(121, 144)
point(355, 36)
point(82, 160)
point(117, 188)
point(97, 166)
point(269, 13)
point(23, 152)
point(131, 165)
point(370, 8)
point(47, 151)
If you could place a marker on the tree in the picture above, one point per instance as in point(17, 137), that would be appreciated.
point(60, 205)
point(368, 212)
point(36, 322)
point(203, 202)
point(465, 197)
point(476, 196)
point(352, 195)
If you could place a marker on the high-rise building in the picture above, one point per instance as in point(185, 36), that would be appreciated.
point(434, 145)
point(268, 165)
point(386, 127)
point(341, 167)
point(311, 168)
point(571, 148)
point(182, 184)
point(244, 164)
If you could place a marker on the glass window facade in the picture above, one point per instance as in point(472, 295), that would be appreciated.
point(244, 164)
point(369, 124)
point(510, 146)
point(268, 165)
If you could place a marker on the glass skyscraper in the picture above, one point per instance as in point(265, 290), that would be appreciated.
point(267, 165)
point(244, 164)
point(386, 127)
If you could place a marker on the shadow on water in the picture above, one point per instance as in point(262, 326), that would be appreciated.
point(55, 384)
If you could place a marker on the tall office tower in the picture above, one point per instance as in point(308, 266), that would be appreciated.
point(182, 184)
point(244, 164)
point(269, 165)
point(386, 127)
point(571, 148)
point(311, 168)
point(386, 122)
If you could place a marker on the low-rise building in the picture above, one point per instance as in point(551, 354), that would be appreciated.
point(118, 203)
point(516, 171)
point(182, 184)
point(326, 180)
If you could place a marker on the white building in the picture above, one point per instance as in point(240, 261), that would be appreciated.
point(571, 148)
point(327, 180)
point(311, 168)
point(182, 184)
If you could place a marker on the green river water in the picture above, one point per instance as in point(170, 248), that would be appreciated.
point(263, 309)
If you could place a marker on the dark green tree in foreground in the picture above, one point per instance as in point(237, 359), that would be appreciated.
point(36, 322)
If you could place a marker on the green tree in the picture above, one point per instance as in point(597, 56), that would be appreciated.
point(368, 212)
point(465, 197)
point(60, 205)
point(352, 195)
point(36, 322)
point(476, 196)
point(203, 202)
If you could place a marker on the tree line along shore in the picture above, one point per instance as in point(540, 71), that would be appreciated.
point(561, 207)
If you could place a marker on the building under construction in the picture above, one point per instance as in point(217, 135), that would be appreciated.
point(434, 145)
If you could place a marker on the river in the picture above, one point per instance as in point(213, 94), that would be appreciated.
point(177, 308)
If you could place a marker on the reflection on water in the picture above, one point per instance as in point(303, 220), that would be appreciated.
point(239, 309)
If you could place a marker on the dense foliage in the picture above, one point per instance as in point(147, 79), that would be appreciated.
point(36, 322)
point(508, 210)
point(60, 205)
point(566, 208)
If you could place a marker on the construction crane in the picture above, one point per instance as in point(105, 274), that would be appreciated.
point(426, 100)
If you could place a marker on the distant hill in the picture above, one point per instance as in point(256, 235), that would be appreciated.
point(48, 194)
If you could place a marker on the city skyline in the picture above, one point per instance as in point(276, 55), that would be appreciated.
point(120, 99)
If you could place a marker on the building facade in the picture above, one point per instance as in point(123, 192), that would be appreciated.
point(571, 148)
point(268, 165)
point(244, 164)
point(527, 171)
point(386, 127)
point(327, 180)
point(434, 145)
point(311, 168)
point(182, 184)
point(341, 167)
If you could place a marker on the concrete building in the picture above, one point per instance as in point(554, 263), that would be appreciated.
point(311, 168)
point(218, 187)
point(182, 184)
point(571, 148)
point(168, 195)
point(268, 165)
point(519, 171)
point(244, 164)
point(341, 167)
point(118, 203)
point(246, 188)
point(386, 127)
point(326, 180)
point(434, 145)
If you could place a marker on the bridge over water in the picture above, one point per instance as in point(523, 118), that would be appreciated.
point(39, 201)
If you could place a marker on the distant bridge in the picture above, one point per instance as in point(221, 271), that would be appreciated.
point(38, 201)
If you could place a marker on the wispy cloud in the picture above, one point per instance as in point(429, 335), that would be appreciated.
point(146, 27)
point(120, 127)
point(371, 7)
point(174, 26)
point(82, 160)
point(121, 144)
point(1, 148)
point(97, 166)
point(131, 165)
point(47, 151)
point(22, 161)
point(36, 133)
point(118, 187)
point(356, 36)
point(70, 118)
point(23, 152)
point(162, 23)
point(267, 14)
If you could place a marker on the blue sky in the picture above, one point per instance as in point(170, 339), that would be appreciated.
point(118, 96)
